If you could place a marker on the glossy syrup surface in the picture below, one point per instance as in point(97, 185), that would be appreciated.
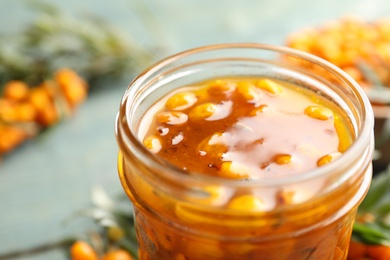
point(245, 128)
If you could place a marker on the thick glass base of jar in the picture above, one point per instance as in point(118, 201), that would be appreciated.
point(323, 235)
point(159, 241)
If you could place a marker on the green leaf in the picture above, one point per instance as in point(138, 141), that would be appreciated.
point(371, 233)
point(383, 210)
point(378, 192)
point(376, 204)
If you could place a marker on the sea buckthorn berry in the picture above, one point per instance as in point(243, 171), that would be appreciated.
point(202, 111)
point(181, 100)
point(118, 254)
point(7, 110)
point(269, 86)
point(180, 257)
point(172, 118)
point(318, 112)
point(233, 170)
point(349, 42)
point(81, 250)
point(324, 160)
point(15, 90)
point(330, 50)
point(218, 87)
point(378, 252)
point(48, 116)
point(383, 27)
point(247, 203)
point(47, 113)
point(25, 112)
point(72, 85)
point(10, 137)
point(345, 140)
point(153, 144)
point(382, 50)
point(39, 98)
point(304, 40)
point(248, 90)
point(282, 159)
point(356, 250)
point(327, 158)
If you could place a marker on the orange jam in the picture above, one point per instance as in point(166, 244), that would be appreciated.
point(235, 152)
point(246, 128)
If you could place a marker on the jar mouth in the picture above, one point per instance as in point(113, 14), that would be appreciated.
point(362, 142)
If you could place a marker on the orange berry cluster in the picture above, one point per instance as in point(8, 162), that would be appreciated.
point(25, 110)
point(351, 44)
point(359, 251)
point(81, 250)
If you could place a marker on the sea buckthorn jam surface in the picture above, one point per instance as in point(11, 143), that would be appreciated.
point(246, 128)
point(244, 151)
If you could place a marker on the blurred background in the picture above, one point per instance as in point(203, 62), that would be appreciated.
point(50, 176)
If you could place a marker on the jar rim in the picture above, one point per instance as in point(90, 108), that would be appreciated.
point(362, 141)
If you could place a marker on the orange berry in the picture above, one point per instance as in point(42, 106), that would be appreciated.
point(81, 250)
point(356, 250)
point(47, 113)
point(181, 100)
point(378, 252)
point(16, 90)
point(282, 159)
point(72, 86)
point(25, 112)
point(11, 111)
point(39, 98)
point(247, 202)
point(7, 110)
point(383, 27)
point(318, 112)
point(118, 254)
point(10, 137)
point(48, 116)
point(349, 42)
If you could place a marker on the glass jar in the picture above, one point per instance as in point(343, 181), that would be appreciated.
point(182, 215)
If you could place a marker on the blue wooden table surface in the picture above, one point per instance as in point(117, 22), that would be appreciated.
point(48, 178)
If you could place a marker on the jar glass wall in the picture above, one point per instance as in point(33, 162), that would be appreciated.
point(182, 215)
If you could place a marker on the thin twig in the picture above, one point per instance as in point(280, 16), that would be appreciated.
point(38, 249)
